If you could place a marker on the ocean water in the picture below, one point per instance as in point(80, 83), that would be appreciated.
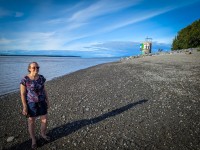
point(14, 68)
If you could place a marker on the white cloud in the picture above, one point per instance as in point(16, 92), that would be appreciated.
point(80, 46)
point(100, 8)
point(82, 17)
point(85, 14)
point(55, 21)
point(111, 27)
point(43, 41)
point(134, 18)
point(8, 13)
point(103, 7)
point(32, 41)
point(5, 41)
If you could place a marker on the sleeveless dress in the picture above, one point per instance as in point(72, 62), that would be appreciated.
point(35, 96)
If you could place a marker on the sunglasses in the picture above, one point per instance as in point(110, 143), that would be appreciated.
point(35, 68)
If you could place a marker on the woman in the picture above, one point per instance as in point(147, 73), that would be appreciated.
point(35, 101)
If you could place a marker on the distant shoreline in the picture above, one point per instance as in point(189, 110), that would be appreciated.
point(40, 55)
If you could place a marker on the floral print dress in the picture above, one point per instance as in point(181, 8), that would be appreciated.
point(35, 96)
point(34, 89)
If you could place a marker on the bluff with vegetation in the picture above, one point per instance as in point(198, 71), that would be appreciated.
point(188, 37)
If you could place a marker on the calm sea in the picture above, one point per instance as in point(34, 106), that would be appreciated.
point(13, 68)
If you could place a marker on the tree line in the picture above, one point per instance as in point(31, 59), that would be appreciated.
point(188, 37)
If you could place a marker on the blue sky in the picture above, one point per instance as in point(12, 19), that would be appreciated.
point(92, 28)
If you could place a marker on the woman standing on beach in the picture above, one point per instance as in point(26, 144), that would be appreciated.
point(35, 101)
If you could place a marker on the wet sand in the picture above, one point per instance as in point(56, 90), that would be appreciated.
point(142, 103)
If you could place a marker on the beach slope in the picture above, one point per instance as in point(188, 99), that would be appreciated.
point(142, 103)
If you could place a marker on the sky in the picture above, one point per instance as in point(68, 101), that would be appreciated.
point(92, 28)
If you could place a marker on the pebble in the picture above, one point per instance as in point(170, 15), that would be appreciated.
point(10, 139)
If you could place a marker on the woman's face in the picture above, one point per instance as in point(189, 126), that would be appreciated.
point(34, 68)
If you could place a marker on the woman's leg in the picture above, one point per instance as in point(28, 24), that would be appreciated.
point(43, 119)
point(31, 129)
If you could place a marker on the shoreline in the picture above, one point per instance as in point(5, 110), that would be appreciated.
point(54, 78)
point(12, 85)
point(123, 59)
point(149, 102)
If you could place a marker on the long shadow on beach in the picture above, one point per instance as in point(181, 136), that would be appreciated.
point(66, 129)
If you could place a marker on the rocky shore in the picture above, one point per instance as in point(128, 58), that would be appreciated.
point(144, 103)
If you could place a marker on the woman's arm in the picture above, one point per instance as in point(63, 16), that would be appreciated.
point(23, 98)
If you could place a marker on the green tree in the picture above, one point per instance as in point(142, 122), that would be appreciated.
point(188, 37)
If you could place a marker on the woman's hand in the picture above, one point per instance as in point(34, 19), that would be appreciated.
point(25, 111)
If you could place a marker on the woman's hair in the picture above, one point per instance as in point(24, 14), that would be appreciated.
point(29, 65)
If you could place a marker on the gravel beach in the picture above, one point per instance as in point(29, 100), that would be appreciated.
point(142, 103)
